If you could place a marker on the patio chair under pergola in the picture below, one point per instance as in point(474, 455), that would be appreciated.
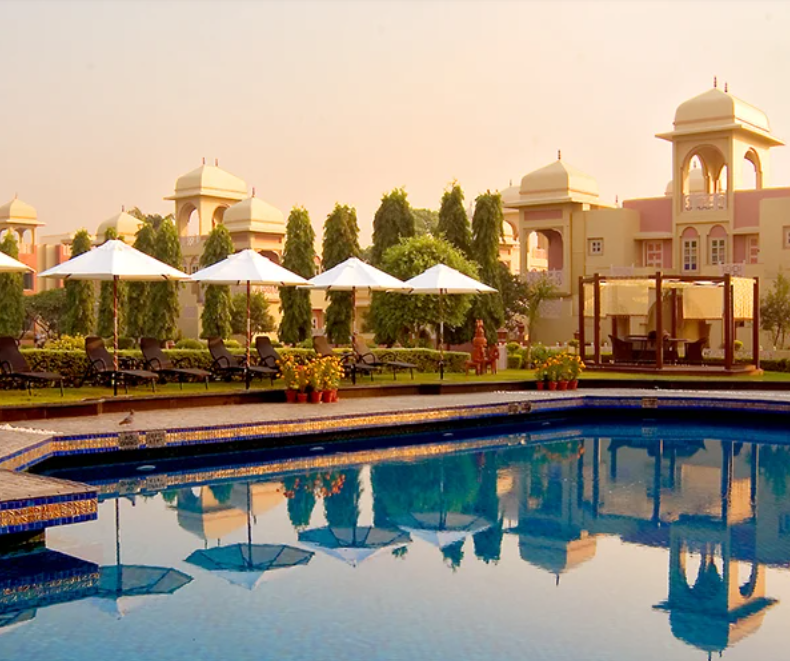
point(726, 297)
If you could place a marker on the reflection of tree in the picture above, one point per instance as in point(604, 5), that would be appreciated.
point(300, 503)
point(342, 508)
point(453, 554)
point(775, 466)
point(488, 542)
point(170, 496)
point(446, 484)
point(221, 492)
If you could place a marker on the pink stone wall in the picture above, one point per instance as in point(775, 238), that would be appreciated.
point(667, 254)
point(655, 213)
point(738, 249)
point(717, 231)
point(747, 205)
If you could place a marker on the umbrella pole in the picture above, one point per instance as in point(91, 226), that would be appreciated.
point(115, 333)
point(118, 574)
point(249, 335)
point(441, 337)
point(353, 315)
point(249, 525)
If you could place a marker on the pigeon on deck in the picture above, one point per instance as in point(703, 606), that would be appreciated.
point(129, 419)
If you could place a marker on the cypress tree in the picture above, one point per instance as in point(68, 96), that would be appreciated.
point(217, 302)
point(104, 324)
point(298, 257)
point(486, 234)
point(12, 298)
point(137, 293)
point(164, 305)
point(80, 317)
point(453, 221)
point(394, 220)
point(341, 241)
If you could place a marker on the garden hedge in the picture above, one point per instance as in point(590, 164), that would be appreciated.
point(72, 364)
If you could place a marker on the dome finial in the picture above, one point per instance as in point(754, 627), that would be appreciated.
point(253, 191)
point(725, 86)
point(123, 208)
point(715, 82)
point(204, 160)
point(559, 154)
point(616, 200)
point(216, 162)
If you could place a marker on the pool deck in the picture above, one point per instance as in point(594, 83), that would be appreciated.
point(29, 502)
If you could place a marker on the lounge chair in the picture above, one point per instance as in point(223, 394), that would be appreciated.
point(351, 366)
point(14, 366)
point(101, 366)
point(364, 355)
point(267, 355)
point(694, 355)
point(622, 350)
point(226, 364)
point(158, 362)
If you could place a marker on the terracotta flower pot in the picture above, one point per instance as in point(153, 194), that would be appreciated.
point(315, 397)
point(335, 395)
point(552, 385)
point(540, 384)
point(326, 396)
point(290, 396)
point(562, 385)
point(301, 397)
point(573, 385)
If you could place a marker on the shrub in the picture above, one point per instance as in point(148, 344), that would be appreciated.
point(66, 343)
point(233, 344)
point(514, 361)
point(513, 348)
point(190, 343)
point(123, 342)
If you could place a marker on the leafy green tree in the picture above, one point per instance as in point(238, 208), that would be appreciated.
point(775, 310)
point(453, 222)
point(12, 297)
point(426, 221)
point(138, 293)
point(154, 219)
point(402, 317)
point(217, 303)
point(394, 220)
point(342, 508)
point(261, 320)
point(301, 501)
point(486, 234)
point(48, 307)
point(538, 291)
point(80, 317)
point(104, 325)
point(341, 241)
point(299, 258)
point(163, 296)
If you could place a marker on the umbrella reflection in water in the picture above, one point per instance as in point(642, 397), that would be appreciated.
point(248, 564)
point(355, 544)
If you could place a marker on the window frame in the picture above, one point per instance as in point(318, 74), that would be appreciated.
point(717, 250)
point(685, 264)
point(753, 249)
point(591, 252)
point(650, 249)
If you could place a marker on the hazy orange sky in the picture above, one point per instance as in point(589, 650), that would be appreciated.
point(106, 104)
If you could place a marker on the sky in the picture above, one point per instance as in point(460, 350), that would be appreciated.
point(107, 103)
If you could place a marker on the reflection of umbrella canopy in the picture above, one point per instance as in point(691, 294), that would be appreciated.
point(10, 265)
point(250, 268)
point(441, 280)
point(11, 621)
point(442, 529)
point(355, 274)
point(353, 545)
point(248, 564)
point(114, 261)
point(122, 587)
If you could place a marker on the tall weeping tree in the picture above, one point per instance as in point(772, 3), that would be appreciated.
point(137, 293)
point(486, 234)
point(394, 220)
point(341, 241)
point(217, 305)
point(80, 317)
point(104, 324)
point(12, 298)
point(163, 296)
point(298, 257)
point(453, 221)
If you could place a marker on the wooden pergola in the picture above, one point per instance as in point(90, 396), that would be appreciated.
point(660, 282)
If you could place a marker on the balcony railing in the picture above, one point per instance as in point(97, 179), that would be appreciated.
point(555, 277)
point(705, 202)
point(737, 270)
point(189, 241)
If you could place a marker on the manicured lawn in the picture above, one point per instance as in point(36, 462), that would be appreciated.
point(52, 395)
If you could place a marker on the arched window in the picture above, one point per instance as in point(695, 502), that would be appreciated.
point(689, 245)
point(717, 245)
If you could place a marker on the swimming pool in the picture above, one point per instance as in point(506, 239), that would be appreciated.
point(559, 541)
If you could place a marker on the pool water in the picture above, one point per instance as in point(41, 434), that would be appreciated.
point(633, 541)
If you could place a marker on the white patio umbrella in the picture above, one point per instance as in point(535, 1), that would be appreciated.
point(113, 261)
point(354, 274)
point(250, 268)
point(10, 265)
point(442, 280)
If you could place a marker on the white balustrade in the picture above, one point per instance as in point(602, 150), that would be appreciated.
point(705, 202)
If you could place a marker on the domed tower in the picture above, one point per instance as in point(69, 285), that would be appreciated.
point(21, 218)
point(256, 224)
point(124, 224)
point(209, 190)
point(729, 139)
